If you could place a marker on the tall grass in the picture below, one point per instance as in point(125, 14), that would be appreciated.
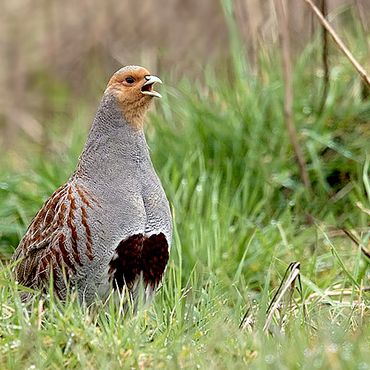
point(241, 216)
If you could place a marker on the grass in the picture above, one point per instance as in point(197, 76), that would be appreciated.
point(241, 216)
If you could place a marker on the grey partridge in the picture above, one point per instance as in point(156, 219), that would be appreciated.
point(109, 227)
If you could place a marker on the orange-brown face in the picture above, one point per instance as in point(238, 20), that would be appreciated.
point(133, 88)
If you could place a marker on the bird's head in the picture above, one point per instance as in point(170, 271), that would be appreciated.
point(132, 86)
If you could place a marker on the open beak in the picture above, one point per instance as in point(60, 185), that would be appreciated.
point(147, 88)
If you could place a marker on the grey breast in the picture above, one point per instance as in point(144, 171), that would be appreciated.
point(116, 167)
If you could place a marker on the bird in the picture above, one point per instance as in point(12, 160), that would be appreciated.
point(109, 227)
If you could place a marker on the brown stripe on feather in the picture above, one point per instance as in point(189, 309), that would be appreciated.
point(71, 199)
point(72, 227)
point(88, 194)
point(54, 272)
point(74, 238)
point(52, 204)
point(29, 276)
point(40, 216)
point(89, 252)
point(36, 226)
point(34, 237)
point(44, 267)
point(45, 215)
point(58, 258)
point(83, 197)
point(49, 217)
point(75, 254)
point(61, 214)
point(64, 253)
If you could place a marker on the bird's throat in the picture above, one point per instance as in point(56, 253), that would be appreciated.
point(134, 109)
point(134, 114)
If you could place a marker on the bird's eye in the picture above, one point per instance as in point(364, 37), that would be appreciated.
point(130, 80)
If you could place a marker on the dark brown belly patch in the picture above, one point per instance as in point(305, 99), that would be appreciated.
point(137, 255)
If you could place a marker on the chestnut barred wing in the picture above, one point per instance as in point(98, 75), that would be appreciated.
point(53, 241)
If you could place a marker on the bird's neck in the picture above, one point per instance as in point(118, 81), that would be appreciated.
point(113, 145)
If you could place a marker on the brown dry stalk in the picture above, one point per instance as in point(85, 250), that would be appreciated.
point(324, 57)
point(361, 70)
point(287, 285)
point(288, 90)
point(357, 242)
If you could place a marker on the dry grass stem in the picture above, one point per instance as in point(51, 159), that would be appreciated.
point(324, 58)
point(287, 286)
point(247, 321)
point(337, 293)
point(357, 242)
point(359, 68)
